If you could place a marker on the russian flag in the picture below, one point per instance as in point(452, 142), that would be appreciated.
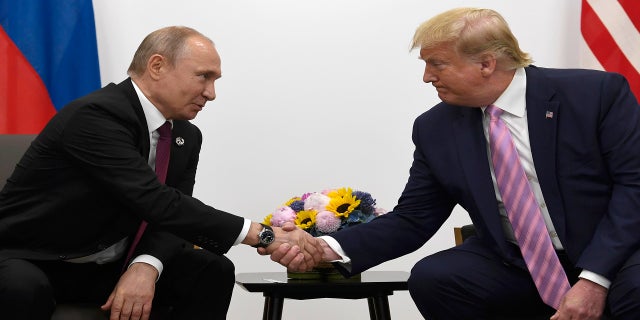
point(48, 57)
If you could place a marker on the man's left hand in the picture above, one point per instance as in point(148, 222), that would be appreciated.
point(585, 301)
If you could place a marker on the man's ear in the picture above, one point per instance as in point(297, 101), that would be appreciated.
point(156, 65)
point(488, 64)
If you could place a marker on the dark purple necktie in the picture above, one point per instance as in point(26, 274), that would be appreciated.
point(163, 151)
point(525, 215)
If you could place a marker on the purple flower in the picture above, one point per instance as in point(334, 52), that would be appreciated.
point(297, 205)
point(367, 203)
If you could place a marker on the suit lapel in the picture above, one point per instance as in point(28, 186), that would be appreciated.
point(542, 117)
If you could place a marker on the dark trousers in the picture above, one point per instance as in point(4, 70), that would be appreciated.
point(195, 285)
point(470, 281)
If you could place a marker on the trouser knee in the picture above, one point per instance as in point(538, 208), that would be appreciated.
point(424, 284)
point(25, 291)
point(624, 298)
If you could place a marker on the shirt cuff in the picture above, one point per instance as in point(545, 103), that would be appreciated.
point(335, 246)
point(594, 277)
point(244, 232)
point(150, 260)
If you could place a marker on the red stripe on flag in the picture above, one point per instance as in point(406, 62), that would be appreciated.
point(632, 8)
point(28, 106)
point(605, 48)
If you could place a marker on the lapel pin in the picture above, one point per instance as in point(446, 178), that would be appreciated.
point(549, 115)
point(179, 141)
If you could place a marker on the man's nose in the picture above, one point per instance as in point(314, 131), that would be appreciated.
point(210, 91)
point(428, 75)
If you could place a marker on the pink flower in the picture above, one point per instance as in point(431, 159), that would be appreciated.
point(316, 201)
point(379, 212)
point(327, 222)
point(281, 215)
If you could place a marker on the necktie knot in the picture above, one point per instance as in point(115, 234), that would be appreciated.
point(165, 130)
point(494, 112)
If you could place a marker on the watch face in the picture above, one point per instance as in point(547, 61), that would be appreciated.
point(267, 236)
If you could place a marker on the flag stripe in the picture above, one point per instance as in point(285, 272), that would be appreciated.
point(34, 109)
point(632, 8)
point(605, 47)
point(619, 26)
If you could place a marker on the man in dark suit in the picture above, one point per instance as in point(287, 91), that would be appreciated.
point(577, 135)
point(70, 211)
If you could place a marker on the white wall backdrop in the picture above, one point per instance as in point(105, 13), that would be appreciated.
point(316, 94)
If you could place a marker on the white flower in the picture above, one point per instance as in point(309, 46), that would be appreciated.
point(316, 201)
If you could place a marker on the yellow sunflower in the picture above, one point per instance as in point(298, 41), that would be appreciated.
point(340, 193)
point(342, 202)
point(305, 219)
point(267, 219)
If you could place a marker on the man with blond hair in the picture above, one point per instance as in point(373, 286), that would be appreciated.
point(545, 161)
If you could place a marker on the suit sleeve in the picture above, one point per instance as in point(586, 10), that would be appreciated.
point(105, 149)
point(616, 236)
point(421, 210)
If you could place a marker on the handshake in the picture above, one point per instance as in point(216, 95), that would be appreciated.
point(296, 249)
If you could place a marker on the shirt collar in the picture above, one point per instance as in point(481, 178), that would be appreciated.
point(154, 117)
point(513, 99)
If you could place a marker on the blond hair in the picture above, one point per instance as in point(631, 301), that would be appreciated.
point(170, 42)
point(473, 32)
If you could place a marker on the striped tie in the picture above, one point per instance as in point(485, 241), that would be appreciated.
point(524, 213)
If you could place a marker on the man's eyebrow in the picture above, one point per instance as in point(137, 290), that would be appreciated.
point(211, 73)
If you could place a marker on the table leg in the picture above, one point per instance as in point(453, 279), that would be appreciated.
point(273, 307)
point(380, 305)
point(372, 309)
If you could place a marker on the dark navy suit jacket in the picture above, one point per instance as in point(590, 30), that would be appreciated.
point(85, 183)
point(584, 129)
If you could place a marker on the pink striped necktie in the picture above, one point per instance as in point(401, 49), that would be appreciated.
point(163, 151)
point(524, 213)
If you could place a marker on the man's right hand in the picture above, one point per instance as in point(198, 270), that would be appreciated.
point(303, 256)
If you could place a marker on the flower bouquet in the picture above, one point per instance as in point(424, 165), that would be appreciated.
point(323, 213)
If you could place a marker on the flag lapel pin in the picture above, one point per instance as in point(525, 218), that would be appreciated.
point(548, 115)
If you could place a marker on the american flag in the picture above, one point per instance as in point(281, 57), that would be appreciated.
point(610, 29)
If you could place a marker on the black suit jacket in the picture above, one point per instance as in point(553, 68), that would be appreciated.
point(85, 183)
point(584, 130)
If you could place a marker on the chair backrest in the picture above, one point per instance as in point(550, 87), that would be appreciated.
point(12, 147)
point(464, 232)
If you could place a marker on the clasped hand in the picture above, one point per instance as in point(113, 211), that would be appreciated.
point(294, 248)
